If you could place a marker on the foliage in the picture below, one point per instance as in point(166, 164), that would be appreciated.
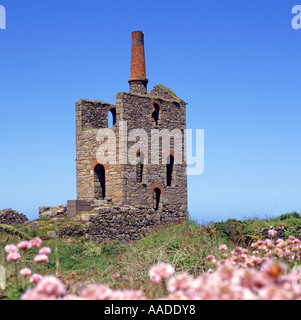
point(288, 216)
point(243, 232)
point(184, 245)
point(10, 230)
point(256, 273)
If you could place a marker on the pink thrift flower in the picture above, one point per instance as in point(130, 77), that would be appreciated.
point(254, 245)
point(273, 268)
point(25, 272)
point(33, 294)
point(41, 258)
point(180, 282)
point(96, 292)
point(51, 286)
point(24, 245)
point(14, 256)
point(272, 233)
point(36, 242)
point(116, 275)
point(10, 248)
point(161, 271)
point(35, 278)
point(45, 250)
point(233, 253)
point(214, 261)
point(223, 247)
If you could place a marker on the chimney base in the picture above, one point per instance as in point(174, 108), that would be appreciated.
point(138, 85)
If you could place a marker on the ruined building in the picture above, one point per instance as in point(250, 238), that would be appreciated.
point(156, 181)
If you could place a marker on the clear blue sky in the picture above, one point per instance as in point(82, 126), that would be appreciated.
point(237, 64)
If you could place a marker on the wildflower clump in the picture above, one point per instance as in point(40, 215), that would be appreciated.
point(260, 272)
point(227, 282)
point(161, 271)
point(287, 251)
point(16, 257)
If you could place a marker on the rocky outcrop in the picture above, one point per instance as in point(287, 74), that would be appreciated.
point(52, 212)
point(282, 232)
point(10, 216)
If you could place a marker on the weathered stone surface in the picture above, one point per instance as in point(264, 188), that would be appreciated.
point(87, 216)
point(52, 212)
point(10, 216)
point(35, 225)
point(130, 198)
point(130, 224)
point(126, 183)
point(51, 234)
point(76, 206)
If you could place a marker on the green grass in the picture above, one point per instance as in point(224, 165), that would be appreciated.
point(185, 245)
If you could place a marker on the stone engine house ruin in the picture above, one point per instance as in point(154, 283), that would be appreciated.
point(157, 187)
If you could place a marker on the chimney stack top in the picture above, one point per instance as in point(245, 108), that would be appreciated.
point(138, 81)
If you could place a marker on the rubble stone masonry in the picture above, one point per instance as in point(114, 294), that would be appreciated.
point(157, 183)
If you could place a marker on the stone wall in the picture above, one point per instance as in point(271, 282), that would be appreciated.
point(91, 116)
point(137, 110)
point(154, 189)
point(120, 223)
point(164, 93)
point(122, 186)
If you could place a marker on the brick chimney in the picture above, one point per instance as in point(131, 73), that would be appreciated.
point(138, 81)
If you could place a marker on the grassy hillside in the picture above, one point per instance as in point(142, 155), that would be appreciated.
point(185, 245)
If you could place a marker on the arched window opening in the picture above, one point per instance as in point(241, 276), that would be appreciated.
point(156, 195)
point(169, 169)
point(140, 166)
point(99, 182)
point(111, 117)
point(155, 113)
